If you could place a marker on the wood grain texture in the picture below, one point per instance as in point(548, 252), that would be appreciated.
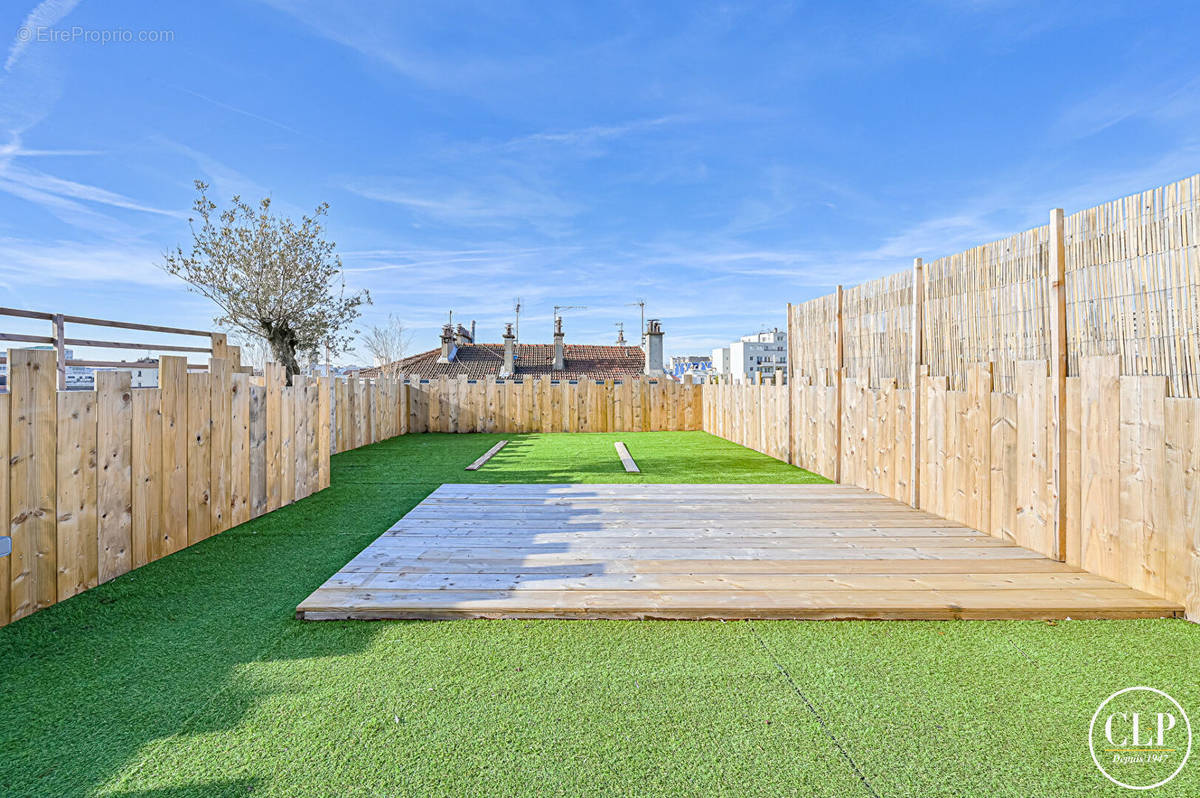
point(5, 512)
point(114, 487)
point(199, 425)
point(1035, 528)
point(78, 559)
point(173, 398)
point(220, 443)
point(274, 430)
point(1100, 471)
point(146, 470)
point(32, 487)
point(258, 450)
point(239, 449)
point(550, 560)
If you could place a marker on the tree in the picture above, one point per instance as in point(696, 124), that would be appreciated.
point(387, 344)
point(272, 277)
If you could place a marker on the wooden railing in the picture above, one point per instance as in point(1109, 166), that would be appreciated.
point(217, 344)
point(96, 483)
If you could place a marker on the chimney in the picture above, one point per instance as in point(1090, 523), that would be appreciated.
point(654, 349)
point(461, 336)
point(448, 347)
point(510, 356)
point(559, 349)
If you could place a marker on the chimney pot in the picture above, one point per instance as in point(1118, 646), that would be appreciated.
point(654, 349)
point(449, 350)
point(510, 356)
point(560, 361)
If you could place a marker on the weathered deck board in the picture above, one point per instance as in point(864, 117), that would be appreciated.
point(702, 551)
point(478, 464)
point(626, 458)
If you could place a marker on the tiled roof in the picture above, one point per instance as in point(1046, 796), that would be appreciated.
point(477, 361)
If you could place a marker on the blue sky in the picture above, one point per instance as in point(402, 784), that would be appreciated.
point(719, 160)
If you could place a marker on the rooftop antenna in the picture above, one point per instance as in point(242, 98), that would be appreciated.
point(641, 303)
point(557, 308)
point(517, 324)
point(621, 333)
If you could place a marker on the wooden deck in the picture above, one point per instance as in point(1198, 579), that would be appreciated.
point(702, 551)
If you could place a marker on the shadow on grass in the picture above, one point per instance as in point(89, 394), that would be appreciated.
point(90, 685)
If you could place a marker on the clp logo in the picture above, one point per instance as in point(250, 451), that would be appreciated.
point(1140, 738)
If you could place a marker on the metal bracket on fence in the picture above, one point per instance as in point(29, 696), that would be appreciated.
point(5, 545)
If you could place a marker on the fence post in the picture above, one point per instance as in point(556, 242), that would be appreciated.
point(839, 353)
point(789, 378)
point(917, 344)
point(60, 350)
point(220, 345)
point(1058, 380)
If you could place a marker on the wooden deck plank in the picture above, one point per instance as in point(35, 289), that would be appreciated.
point(475, 466)
point(702, 551)
point(626, 458)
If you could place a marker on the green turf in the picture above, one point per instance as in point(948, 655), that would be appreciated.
point(191, 677)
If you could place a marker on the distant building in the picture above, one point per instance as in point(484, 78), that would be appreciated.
point(460, 356)
point(691, 368)
point(762, 353)
point(319, 370)
point(720, 362)
point(79, 378)
point(144, 373)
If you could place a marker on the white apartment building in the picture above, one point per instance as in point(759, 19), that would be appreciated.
point(761, 353)
point(720, 361)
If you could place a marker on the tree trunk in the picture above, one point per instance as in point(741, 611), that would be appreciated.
point(283, 347)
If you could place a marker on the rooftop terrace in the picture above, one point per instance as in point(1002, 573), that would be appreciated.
point(191, 675)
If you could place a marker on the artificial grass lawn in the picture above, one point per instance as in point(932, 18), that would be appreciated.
point(190, 676)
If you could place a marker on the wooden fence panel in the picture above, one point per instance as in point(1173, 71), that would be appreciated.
point(1002, 485)
point(1181, 503)
point(239, 449)
point(1034, 524)
point(146, 512)
point(114, 489)
point(78, 559)
point(274, 427)
point(287, 432)
point(5, 507)
point(323, 440)
point(199, 421)
point(258, 451)
point(1142, 481)
point(173, 398)
point(312, 445)
point(221, 447)
point(31, 375)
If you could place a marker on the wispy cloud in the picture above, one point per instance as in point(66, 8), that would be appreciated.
point(50, 263)
point(236, 110)
point(45, 184)
point(488, 201)
point(46, 14)
point(377, 31)
point(584, 140)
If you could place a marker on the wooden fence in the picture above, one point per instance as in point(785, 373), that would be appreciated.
point(365, 411)
point(96, 483)
point(1043, 388)
point(755, 416)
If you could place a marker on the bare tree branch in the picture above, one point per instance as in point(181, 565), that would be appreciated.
point(271, 277)
point(387, 344)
